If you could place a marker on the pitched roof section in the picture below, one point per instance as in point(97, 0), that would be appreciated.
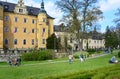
point(9, 7)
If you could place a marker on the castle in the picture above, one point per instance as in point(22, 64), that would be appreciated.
point(23, 27)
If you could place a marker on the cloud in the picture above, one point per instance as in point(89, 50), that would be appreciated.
point(107, 5)
point(53, 11)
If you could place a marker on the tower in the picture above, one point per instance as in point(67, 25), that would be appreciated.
point(1, 26)
point(42, 35)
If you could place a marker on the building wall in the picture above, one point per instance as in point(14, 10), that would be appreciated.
point(50, 26)
point(93, 43)
point(38, 36)
point(1, 28)
point(43, 30)
point(19, 34)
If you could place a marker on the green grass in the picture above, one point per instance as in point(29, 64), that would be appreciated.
point(40, 71)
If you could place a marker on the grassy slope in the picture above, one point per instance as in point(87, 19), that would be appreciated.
point(43, 70)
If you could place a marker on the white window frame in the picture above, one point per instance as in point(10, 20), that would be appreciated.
point(15, 41)
point(6, 28)
point(16, 19)
point(33, 42)
point(6, 43)
point(6, 18)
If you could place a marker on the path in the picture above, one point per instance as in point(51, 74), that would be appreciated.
point(52, 61)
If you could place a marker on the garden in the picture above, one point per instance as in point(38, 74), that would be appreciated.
point(91, 68)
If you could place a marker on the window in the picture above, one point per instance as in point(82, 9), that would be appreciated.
point(47, 23)
point(6, 29)
point(43, 29)
point(43, 41)
point(24, 30)
point(33, 21)
point(89, 41)
point(20, 10)
point(32, 41)
point(6, 7)
point(16, 19)
point(97, 41)
point(31, 11)
point(6, 41)
point(33, 30)
point(24, 42)
point(71, 40)
point(94, 41)
point(15, 30)
point(44, 20)
point(15, 41)
point(6, 18)
point(25, 20)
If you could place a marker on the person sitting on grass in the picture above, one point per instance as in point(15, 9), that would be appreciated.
point(113, 60)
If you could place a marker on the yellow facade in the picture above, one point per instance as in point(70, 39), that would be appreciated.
point(42, 35)
point(1, 27)
point(20, 35)
point(24, 31)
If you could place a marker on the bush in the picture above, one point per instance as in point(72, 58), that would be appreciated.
point(119, 54)
point(46, 54)
point(32, 56)
point(91, 51)
point(38, 55)
point(76, 56)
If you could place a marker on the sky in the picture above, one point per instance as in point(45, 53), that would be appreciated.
point(108, 7)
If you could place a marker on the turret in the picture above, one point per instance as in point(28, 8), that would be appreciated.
point(42, 10)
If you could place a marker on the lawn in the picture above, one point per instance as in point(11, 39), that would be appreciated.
point(42, 69)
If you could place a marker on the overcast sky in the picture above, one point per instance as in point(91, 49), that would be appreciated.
point(108, 7)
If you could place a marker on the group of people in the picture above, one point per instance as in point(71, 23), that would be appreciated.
point(81, 58)
point(16, 61)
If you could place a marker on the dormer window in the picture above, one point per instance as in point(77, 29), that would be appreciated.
point(6, 7)
point(20, 10)
point(31, 10)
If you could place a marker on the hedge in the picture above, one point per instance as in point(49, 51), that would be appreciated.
point(112, 72)
point(38, 55)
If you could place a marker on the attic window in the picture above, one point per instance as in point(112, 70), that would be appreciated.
point(21, 10)
point(6, 6)
point(31, 10)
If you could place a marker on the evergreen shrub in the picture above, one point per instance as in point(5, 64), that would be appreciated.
point(38, 55)
point(91, 51)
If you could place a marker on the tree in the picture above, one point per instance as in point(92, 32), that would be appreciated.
point(79, 15)
point(117, 22)
point(53, 42)
point(110, 38)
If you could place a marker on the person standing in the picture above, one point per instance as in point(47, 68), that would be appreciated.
point(70, 58)
point(81, 58)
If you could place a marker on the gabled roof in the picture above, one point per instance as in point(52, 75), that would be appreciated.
point(9, 7)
